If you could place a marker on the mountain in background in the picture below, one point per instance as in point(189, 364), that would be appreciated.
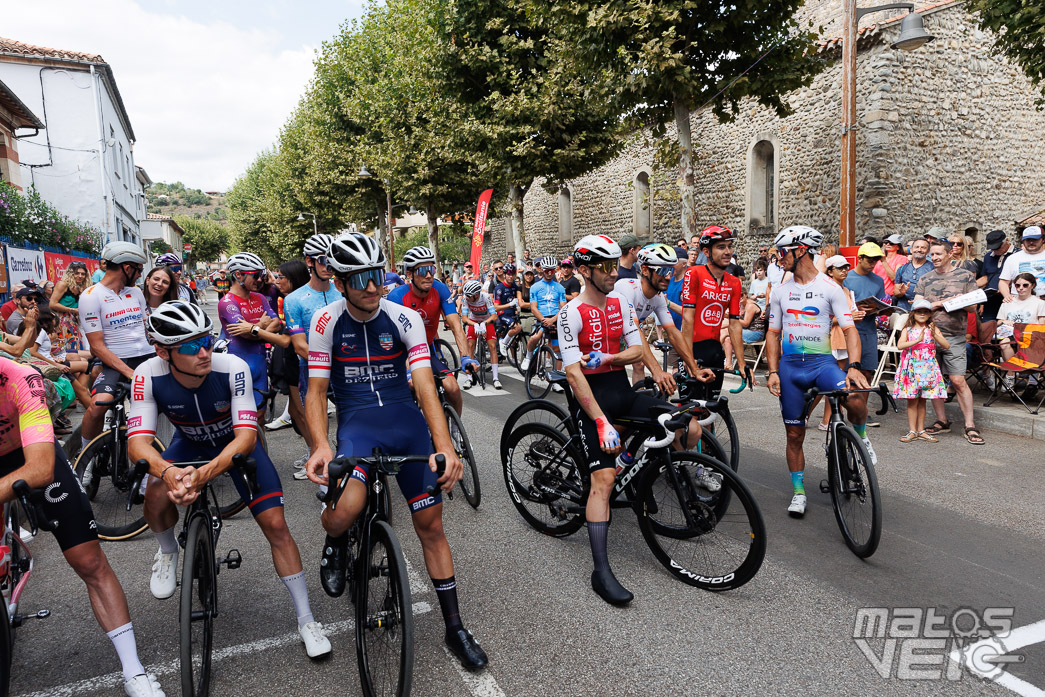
point(176, 199)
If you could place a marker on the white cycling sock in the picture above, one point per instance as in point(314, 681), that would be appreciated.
point(83, 442)
point(168, 541)
point(123, 641)
point(295, 583)
point(494, 366)
point(285, 416)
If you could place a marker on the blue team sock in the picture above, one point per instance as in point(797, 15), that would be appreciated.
point(861, 430)
point(798, 482)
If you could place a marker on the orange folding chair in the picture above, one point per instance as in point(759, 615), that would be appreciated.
point(1028, 340)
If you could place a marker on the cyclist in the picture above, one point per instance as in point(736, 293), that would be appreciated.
point(646, 296)
point(173, 262)
point(506, 303)
point(547, 297)
point(208, 398)
point(418, 295)
point(248, 321)
point(800, 314)
point(592, 327)
point(112, 315)
point(570, 283)
point(29, 451)
point(479, 317)
point(709, 294)
point(362, 345)
point(298, 308)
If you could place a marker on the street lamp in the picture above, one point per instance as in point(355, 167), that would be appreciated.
point(364, 173)
point(912, 36)
point(301, 219)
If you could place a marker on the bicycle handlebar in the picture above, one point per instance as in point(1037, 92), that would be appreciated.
point(388, 464)
point(882, 390)
point(29, 498)
point(247, 465)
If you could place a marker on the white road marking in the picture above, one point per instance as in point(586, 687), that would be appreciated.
point(113, 680)
point(418, 583)
point(479, 684)
point(973, 657)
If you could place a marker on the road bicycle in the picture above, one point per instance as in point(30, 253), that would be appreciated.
point(513, 342)
point(482, 358)
point(719, 423)
point(16, 566)
point(377, 576)
point(446, 353)
point(543, 363)
point(706, 536)
point(470, 486)
point(851, 479)
point(198, 606)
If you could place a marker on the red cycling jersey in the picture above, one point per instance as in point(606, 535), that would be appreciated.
point(585, 329)
point(710, 298)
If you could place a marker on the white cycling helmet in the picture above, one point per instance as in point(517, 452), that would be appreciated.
point(594, 249)
point(124, 253)
point(548, 262)
point(246, 262)
point(176, 321)
point(318, 245)
point(472, 288)
point(658, 254)
point(800, 236)
point(354, 251)
point(418, 256)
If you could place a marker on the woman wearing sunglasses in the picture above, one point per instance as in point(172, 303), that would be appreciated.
point(1025, 308)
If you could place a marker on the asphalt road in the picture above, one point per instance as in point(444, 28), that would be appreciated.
point(962, 530)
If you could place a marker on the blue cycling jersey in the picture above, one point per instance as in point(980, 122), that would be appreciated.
point(299, 306)
point(504, 294)
point(548, 297)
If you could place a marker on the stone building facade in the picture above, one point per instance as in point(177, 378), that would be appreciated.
point(947, 135)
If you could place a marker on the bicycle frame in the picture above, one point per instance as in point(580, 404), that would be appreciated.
point(16, 562)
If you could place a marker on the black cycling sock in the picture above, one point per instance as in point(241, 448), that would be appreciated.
point(446, 589)
point(597, 535)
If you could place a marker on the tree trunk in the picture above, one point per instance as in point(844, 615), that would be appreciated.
point(433, 238)
point(516, 194)
point(382, 236)
point(689, 207)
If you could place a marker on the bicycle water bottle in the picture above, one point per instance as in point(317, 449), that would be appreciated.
point(624, 460)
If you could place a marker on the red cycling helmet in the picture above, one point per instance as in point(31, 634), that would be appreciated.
point(713, 234)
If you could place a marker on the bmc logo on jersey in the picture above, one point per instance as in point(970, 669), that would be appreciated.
point(419, 504)
point(205, 431)
point(138, 391)
point(239, 383)
point(385, 340)
point(321, 323)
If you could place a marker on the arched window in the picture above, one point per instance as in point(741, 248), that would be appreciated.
point(762, 186)
point(565, 215)
point(641, 218)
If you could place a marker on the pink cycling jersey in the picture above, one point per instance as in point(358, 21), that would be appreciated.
point(24, 418)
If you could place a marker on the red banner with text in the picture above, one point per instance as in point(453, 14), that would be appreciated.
point(479, 230)
point(57, 264)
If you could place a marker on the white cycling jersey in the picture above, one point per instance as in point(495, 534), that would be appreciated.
point(480, 309)
point(119, 316)
point(802, 314)
point(631, 289)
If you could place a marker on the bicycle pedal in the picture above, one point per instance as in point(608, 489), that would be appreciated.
point(233, 560)
point(825, 487)
point(17, 620)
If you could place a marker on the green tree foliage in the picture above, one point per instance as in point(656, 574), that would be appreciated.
point(162, 194)
point(27, 217)
point(208, 238)
point(158, 247)
point(1018, 27)
point(263, 211)
point(670, 57)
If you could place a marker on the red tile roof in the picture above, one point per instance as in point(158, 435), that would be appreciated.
point(11, 46)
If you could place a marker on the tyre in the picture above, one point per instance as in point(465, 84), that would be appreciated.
point(384, 617)
point(93, 467)
point(274, 406)
point(709, 550)
point(71, 446)
point(542, 363)
point(447, 354)
point(854, 492)
point(6, 648)
point(725, 429)
point(545, 480)
point(482, 356)
point(199, 606)
point(470, 485)
point(513, 350)
point(535, 410)
point(229, 501)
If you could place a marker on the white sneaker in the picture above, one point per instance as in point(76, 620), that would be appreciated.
point(556, 387)
point(300, 462)
point(708, 480)
point(300, 474)
point(164, 577)
point(525, 364)
point(25, 535)
point(276, 424)
point(497, 385)
point(870, 450)
point(144, 685)
point(797, 509)
point(467, 382)
point(316, 643)
point(331, 409)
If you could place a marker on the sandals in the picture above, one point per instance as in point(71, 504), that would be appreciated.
point(909, 437)
point(939, 427)
point(922, 435)
point(972, 434)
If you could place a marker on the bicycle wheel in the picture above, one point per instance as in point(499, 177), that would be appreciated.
point(470, 482)
point(725, 429)
point(513, 350)
point(712, 551)
point(447, 354)
point(6, 647)
point(93, 467)
point(534, 410)
point(854, 492)
point(542, 363)
point(542, 470)
point(229, 501)
point(199, 605)
point(482, 355)
point(384, 618)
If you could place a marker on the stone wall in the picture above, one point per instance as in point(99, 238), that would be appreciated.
point(947, 135)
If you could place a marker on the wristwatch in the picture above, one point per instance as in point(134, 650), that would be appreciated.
point(254, 330)
point(855, 364)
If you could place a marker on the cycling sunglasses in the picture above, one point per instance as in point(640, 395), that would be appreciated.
point(176, 268)
point(607, 266)
point(191, 348)
point(361, 279)
point(428, 270)
point(662, 271)
point(321, 259)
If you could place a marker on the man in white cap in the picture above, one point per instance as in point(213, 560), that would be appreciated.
point(1030, 259)
point(894, 259)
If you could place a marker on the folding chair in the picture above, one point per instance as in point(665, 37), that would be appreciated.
point(890, 354)
point(759, 351)
point(1029, 342)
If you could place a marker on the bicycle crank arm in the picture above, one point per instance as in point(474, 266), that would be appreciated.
point(17, 620)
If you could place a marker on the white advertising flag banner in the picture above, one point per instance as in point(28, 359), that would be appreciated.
point(25, 264)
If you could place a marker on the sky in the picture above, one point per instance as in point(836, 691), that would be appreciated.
point(207, 84)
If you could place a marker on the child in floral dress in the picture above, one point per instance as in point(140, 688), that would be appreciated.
point(918, 377)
